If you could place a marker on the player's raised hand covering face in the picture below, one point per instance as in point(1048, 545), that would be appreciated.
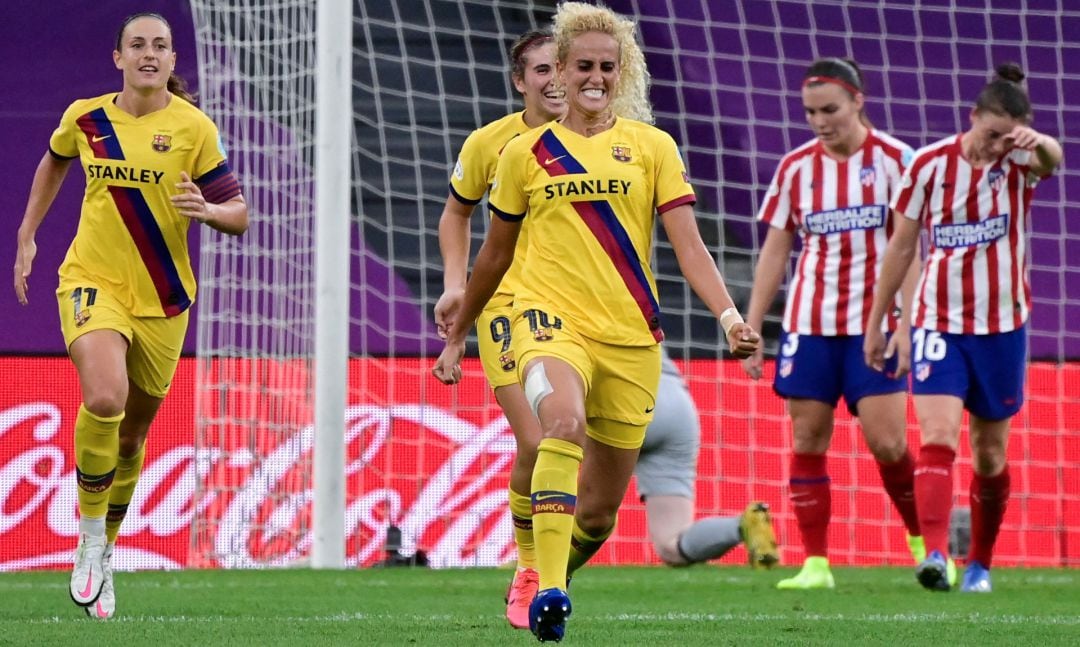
point(993, 135)
point(590, 73)
point(146, 55)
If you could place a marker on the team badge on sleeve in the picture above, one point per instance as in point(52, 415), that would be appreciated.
point(162, 143)
point(621, 153)
point(459, 170)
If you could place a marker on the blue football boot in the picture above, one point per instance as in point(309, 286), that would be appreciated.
point(548, 613)
point(976, 579)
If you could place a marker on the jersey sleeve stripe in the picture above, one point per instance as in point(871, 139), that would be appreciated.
point(553, 157)
point(100, 135)
point(143, 227)
point(677, 202)
point(601, 220)
point(218, 184)
point(462, 199)
point(504, 215)
point(59, 156)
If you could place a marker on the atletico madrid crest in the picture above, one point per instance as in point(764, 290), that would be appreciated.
point(996, 178)
point(922, 371)
point(620, 152)
point(162, 143)
point(867, 175)
point(787, 365)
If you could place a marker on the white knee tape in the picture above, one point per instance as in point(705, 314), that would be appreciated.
point(537, 387)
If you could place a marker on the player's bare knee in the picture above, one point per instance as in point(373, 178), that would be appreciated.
point(887, 449)
point(988, 461)
point(105, 403)
point(130, 444)
point(595, 522)
point(939, 432)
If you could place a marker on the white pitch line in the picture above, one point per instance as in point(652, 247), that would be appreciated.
point(891, 618)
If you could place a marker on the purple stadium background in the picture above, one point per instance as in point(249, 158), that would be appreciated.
point(60, 50)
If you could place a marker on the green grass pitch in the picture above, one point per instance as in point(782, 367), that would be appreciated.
point(656, 606)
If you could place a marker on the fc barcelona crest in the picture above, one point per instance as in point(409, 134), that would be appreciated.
point(621, 153)
point(506, 360)
point(162, 143)
point(81, 317)
point(543, 334)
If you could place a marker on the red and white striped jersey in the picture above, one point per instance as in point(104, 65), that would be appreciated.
point(841, 213)
point(975, 279)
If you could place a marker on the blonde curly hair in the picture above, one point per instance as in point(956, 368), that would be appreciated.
point(572, 19)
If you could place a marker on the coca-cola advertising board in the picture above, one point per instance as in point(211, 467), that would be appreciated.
point(434, 462)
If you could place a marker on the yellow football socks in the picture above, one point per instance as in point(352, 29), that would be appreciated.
point(97, 445)
point(123, 488)
point(583, 546)
point(554, 498)
point(521, 512)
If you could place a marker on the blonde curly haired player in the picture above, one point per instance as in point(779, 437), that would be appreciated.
point(532, 58)
point(586, 317)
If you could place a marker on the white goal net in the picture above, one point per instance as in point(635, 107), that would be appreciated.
point(433, 461)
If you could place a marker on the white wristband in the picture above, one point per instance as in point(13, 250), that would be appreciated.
point(729, 318)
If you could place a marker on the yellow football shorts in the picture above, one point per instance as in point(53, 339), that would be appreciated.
point(496, 352)
point(620, 381)
point(154, 343)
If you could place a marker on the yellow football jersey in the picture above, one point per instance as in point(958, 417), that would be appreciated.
point(474, 173)
point(591, 203)
point(130, 238)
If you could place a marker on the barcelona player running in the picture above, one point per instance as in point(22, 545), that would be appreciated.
point(972, 193)
point(533, 73)
point(154, 164)
point(586, 319)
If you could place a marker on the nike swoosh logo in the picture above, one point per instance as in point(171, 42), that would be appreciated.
point(545, 497)
point(98, 138)
point(551, 160)
point(89, 586)
point(649, 409)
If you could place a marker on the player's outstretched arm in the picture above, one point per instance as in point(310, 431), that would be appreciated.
point(454, 244)
point(697, 265)
point(48, 178)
